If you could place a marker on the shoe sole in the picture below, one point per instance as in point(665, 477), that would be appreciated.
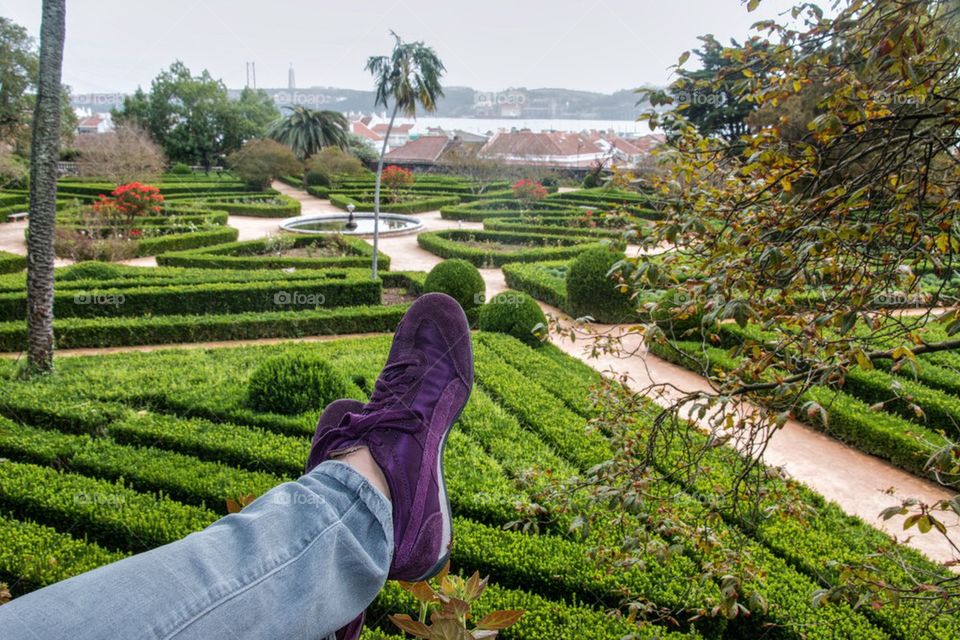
point(445, 509)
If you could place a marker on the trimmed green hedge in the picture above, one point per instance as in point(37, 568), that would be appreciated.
point(941, 410)
point(75, 333)
point(529, 247)
point(278, 206)
point(110, 513)
point(558, 226)
point(545, 281)
point(482, 209)
point(175, 188)
point(415, 205)
point(33, 556)
point(183, 241)
point(12, 262)
point(249, 255)
point(539, 410)
point(206, 484)
point(327, 289)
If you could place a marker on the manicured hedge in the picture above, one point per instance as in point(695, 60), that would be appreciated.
point(315, 289)
point(249, 255)
point(545, 281)
point(12, 262)
point(482, 209)
point(558, 226)
point(293, 181)
point(941, 410)
point(75, 333)
point(34, 556)
point(539, 410)
point(182, 241)
point(183, 477)
point(186, 187)
point(110, 513)
point(565, 381)
point(246, 447)
point(278, 206)
point(414, 205)
point(529, 247)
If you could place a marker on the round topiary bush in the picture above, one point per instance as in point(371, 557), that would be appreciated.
point(590, 292)
point(515, 314)
point(291, 384)
point(460, 280)
point(318, 177)
point(91, 270)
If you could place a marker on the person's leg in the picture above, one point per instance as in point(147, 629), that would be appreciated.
point(300, 562)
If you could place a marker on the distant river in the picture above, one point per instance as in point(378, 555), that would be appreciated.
point(483, 125)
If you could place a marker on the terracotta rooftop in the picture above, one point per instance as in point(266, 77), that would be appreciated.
point(528, 143)
point(423, 150)
point(362, 130)
point(381, 128)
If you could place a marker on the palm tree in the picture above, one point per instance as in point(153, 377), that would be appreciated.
point(44, 153)
point(410, 75)
point(306, 131)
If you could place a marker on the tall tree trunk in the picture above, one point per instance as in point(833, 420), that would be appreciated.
point(44, 153)
point(376, 193)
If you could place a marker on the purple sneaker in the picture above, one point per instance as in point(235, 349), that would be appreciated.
point(419, 395)
point(330, 418)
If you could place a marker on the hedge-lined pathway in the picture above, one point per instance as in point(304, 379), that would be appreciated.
point(854, 480)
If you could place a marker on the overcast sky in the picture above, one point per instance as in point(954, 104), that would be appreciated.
point(599, 45)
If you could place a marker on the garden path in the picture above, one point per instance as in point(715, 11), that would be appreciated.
point(858, 482)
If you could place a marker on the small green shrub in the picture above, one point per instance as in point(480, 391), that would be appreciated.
point(294, 384)
point(458, 279)
point(591, 292)
point(90, 271)
point(515, 314)
point(181, 169)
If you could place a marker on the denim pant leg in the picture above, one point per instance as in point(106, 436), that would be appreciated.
point(300, 562)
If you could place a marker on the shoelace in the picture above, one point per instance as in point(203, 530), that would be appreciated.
point(385, 409)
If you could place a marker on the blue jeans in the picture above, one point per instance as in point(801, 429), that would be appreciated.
point(299, 563)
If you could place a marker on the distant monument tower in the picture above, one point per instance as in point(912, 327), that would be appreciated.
point(291, 83)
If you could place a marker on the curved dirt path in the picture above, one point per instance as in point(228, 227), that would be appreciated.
point(856, 481)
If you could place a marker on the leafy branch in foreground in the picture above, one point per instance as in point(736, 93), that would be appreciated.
point(809, 231)
point(445, 609)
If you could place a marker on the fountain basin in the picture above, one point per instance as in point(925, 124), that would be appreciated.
point(391, 224)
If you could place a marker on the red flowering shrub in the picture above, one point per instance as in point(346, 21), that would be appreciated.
point(528, 191)
point(396, 179)
point(129, 201)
